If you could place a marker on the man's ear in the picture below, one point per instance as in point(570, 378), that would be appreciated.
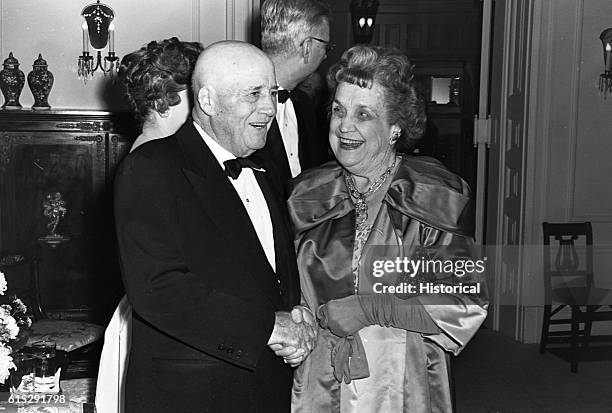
point(306, 50)
point(206, 101)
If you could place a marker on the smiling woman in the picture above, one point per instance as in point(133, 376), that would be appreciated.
point(378, 351)
point(375, 99)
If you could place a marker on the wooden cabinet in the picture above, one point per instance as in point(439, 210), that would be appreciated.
point(74, 153)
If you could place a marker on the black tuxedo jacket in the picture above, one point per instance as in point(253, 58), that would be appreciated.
point(312, 147)
point(202, 291)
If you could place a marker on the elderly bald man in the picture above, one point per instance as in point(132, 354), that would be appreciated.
point(207, 255)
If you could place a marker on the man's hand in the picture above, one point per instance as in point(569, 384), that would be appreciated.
point(301, 314)
point(294, 335)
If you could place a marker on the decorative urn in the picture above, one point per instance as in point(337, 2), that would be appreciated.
point(11, 83)
point(40, 81)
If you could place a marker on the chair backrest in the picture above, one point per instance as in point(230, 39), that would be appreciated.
point(21, 271)
point(568, 254)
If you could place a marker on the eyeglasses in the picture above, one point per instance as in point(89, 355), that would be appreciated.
point(329, 45)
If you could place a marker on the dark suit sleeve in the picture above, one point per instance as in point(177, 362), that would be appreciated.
point(314, 142)
point(161, 288)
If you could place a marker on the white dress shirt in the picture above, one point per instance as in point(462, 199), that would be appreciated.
point(287, 123)
point(251, 196)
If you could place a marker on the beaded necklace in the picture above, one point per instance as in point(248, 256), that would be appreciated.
point(361, 212)
point(361, 206)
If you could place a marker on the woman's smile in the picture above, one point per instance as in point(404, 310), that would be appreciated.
point(349, 144)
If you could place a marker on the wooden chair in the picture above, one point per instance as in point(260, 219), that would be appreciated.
point(79, 342)
point(568, 281)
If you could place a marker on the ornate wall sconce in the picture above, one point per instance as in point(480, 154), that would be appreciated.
point(363, 18)
point(605, 79)
point(98, 31)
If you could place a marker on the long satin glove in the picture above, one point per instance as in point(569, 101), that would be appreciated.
point(346, 316)
point(343, 317)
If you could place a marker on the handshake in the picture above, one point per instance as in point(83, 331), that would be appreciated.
point(294, 335)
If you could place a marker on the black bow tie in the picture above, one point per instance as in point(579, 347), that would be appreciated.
point(233, 167)
point(283, 95)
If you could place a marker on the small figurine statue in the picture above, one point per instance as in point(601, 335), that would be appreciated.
point(54, 208)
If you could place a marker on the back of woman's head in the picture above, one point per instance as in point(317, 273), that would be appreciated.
point(390, 68)
point(155, 74)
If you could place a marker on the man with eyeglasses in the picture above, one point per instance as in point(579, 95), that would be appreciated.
point(295, 36)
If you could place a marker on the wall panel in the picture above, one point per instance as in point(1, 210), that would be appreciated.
point(570, 129)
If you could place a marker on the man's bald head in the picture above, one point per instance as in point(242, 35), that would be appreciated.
point(234, 86)
point(221, 63)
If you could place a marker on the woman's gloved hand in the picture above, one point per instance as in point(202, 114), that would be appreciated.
point(343, 316)
point(349, 359)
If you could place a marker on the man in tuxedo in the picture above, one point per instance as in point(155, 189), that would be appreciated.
point(295, 35)
point(207, 254)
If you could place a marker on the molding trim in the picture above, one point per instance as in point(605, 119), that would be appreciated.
point(602, 249)
point(537, 158)
point(547, 94)
point(2, 31)
point(240, 15)
point(593, 217)
point(219, 20)
point(195, 20)
point(532, 324)
point(573, 110)
point(230, 16)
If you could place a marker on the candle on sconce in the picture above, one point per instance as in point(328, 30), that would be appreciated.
point(608, 57)
point(111, 38)
point(85, 38)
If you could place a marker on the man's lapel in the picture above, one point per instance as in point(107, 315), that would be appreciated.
point(223, 205)
point(286, 266)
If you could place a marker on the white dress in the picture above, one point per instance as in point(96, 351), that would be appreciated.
point(110, 388)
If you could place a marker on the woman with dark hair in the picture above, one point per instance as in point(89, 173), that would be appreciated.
point(385, 336)
point(157, 82)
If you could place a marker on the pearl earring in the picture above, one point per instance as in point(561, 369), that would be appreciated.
point(394, 137)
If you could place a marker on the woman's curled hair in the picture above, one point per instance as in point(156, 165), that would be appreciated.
point(154, 74)
point(390, 68)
